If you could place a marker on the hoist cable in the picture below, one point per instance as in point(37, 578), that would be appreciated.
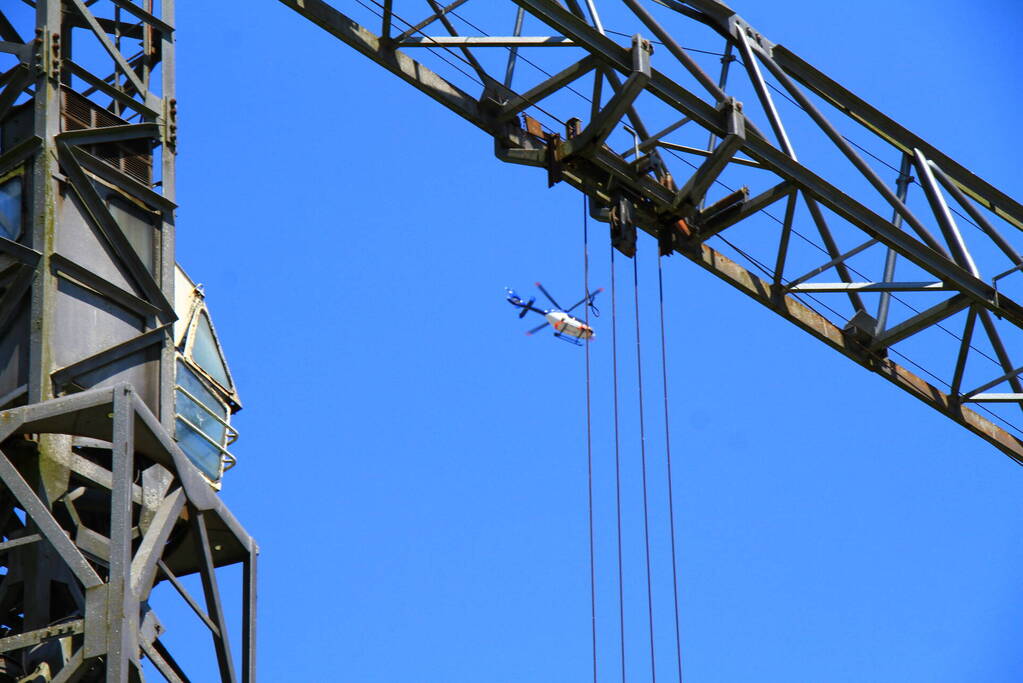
point(618, 462)
point(642, 457)
point(667, 451)
point(589, 438)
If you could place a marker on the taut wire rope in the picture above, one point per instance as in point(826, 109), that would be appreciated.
point(618, 461)
point(642, 457)
point(589, 441)
point(667, 451)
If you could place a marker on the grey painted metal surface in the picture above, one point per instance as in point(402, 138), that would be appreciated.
point(942, 278)
point(98, 502)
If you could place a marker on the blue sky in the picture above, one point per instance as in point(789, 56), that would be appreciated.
point(414, 467)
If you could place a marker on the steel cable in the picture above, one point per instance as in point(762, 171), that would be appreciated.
point(667, 452)
point(642, 457)
point(589, 441)
point(618, 461)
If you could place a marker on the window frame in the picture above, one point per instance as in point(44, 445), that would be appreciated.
point(227, 459)
point(189, 345)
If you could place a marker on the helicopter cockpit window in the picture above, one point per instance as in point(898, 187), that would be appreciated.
point(206, 354)
point(10, 208)
point(201, 426)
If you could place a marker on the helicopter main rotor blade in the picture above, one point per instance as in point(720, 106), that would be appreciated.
point(537, 328)
point(548, 295)
point(576, 304)
point(584, 300)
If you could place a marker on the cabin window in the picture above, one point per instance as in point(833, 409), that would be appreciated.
point(206, 354)
point(201, 423)
point(10, 208)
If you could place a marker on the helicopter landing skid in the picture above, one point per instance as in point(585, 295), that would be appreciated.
point(570, 340)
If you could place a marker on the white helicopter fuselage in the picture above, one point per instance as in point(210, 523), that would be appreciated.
point(565, 324)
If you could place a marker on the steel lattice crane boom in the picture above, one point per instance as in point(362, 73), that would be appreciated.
point(878, 200)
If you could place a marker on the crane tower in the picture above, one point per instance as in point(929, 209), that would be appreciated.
point(115, 397)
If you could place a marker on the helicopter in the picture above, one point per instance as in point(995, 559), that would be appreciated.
point(565, 326)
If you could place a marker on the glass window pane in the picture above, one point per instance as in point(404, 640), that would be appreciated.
point(205, 352)
point(195, 386)
point(202, 453)
point(192, 416)
point(10, 208)
point(194, 413)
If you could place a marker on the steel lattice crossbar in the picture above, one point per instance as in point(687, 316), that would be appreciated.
point(826, 230)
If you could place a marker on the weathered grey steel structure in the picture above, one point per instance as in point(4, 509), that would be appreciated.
point(112, 438)
point(105, 408)
point(889, 271)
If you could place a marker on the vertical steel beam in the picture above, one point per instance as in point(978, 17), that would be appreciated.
point(513, 53)
point(249, 617)
point(122, 610)
point(964, 350)
point(168, 176)
point(385, 27)
point(726, 62)
point(46, 124)
point(42, 565)
point(783, 241)
point(902, 191)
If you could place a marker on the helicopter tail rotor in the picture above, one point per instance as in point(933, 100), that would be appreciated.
point(526, 307)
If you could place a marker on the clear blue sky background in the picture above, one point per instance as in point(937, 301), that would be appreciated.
point(414, 468)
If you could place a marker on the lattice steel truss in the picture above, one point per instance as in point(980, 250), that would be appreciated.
point(98, 503)
point(868, 251)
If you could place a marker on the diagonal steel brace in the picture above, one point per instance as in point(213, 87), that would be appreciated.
point(693, 192)
point(594, 134)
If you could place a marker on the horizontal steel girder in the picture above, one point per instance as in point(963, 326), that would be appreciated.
point(602, 173)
